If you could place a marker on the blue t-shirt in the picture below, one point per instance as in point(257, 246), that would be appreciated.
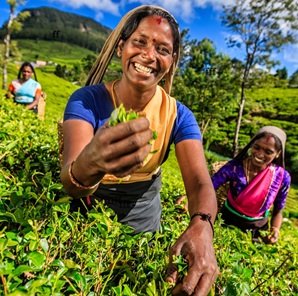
point(136, 204)
point(94, 105)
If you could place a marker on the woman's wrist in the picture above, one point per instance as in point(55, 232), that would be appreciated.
point(77, 182)
point(206, 217)
point(275, 229)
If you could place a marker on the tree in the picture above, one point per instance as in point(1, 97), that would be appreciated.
point(14, 24)
point(260, 27)
point(206, 83)
point(293, 81)
point(281, 73)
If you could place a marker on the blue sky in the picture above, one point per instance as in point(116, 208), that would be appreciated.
point(201, 17)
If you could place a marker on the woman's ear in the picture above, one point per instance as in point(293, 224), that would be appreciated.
point(120, 48)
point(277, 155)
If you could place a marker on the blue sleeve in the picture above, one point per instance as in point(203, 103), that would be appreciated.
point(91, 104)
point(186, 126)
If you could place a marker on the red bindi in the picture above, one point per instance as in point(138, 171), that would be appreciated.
point(268, 138)
point(158, 19)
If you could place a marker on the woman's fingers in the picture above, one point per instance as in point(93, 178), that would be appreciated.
point(205, 283)
point(172, 274)
point(122, 149)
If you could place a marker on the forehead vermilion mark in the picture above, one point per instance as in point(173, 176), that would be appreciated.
point(158, 20)
point(268, 138)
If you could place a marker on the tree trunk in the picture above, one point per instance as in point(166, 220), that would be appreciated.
point(5, 60)
point(248, 65)
point(239, 119)
point(12, 7)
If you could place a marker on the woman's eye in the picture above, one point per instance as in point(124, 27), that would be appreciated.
point(163, 50)
point(140, 42)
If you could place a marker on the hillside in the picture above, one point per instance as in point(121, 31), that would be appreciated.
point(52, 51)
point(47, 23)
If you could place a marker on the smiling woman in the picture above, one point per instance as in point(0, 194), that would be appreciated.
point(114, 163)
point(257, 181)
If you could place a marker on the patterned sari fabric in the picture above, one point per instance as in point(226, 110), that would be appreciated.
point(258, 193)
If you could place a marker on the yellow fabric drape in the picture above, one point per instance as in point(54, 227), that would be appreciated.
point(161, 111)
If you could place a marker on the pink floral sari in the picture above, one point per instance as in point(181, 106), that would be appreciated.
point(250, 201)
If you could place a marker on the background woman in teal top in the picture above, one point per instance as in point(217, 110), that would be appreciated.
point(25, 90)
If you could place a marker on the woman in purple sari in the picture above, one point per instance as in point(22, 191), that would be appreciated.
point(258, 182)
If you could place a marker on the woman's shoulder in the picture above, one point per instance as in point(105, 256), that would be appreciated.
point(287, 176)
point(90, 91)
point(283, 172)
point(182, 108)
point(35, 83)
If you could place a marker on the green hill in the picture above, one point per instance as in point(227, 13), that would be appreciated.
point(47, 23)
point(52, 51)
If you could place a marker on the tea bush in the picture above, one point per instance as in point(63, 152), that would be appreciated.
point(47, 250)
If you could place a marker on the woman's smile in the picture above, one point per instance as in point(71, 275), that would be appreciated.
point(147, 54)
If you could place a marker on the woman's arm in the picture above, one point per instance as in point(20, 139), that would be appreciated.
point(195, 244)
point(196, 178)
point(36, 100)
point(10, 92)
point(279, 204)
point(275, 225)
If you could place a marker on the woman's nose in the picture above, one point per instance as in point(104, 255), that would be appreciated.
point(149, 52)
point(260, 154)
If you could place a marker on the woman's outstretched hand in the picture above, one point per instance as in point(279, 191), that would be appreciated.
point(195, 245)
point(272, 238)
point(121, 149)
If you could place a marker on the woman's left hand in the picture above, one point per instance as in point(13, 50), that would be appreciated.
point(272, 238)
point(195, 245)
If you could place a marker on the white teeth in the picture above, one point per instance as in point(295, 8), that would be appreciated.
point(258, 159)
point(143, 69)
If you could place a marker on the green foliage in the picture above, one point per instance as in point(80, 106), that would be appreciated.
point(257, 28)
point(206, 83)
point(120, 115)
point(58, 92)
point(282, 73)
point(293, 81)
point(47, 250)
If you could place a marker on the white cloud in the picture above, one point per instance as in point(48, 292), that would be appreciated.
point(99, 6)
point(184, 9)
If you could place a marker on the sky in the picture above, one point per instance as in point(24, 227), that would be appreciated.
point(201, 17)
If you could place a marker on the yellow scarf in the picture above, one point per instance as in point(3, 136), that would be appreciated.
point(161, 111)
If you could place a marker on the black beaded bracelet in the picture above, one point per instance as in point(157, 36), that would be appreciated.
point(203, 217)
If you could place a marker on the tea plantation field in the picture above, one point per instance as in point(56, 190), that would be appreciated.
point(47, 250)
